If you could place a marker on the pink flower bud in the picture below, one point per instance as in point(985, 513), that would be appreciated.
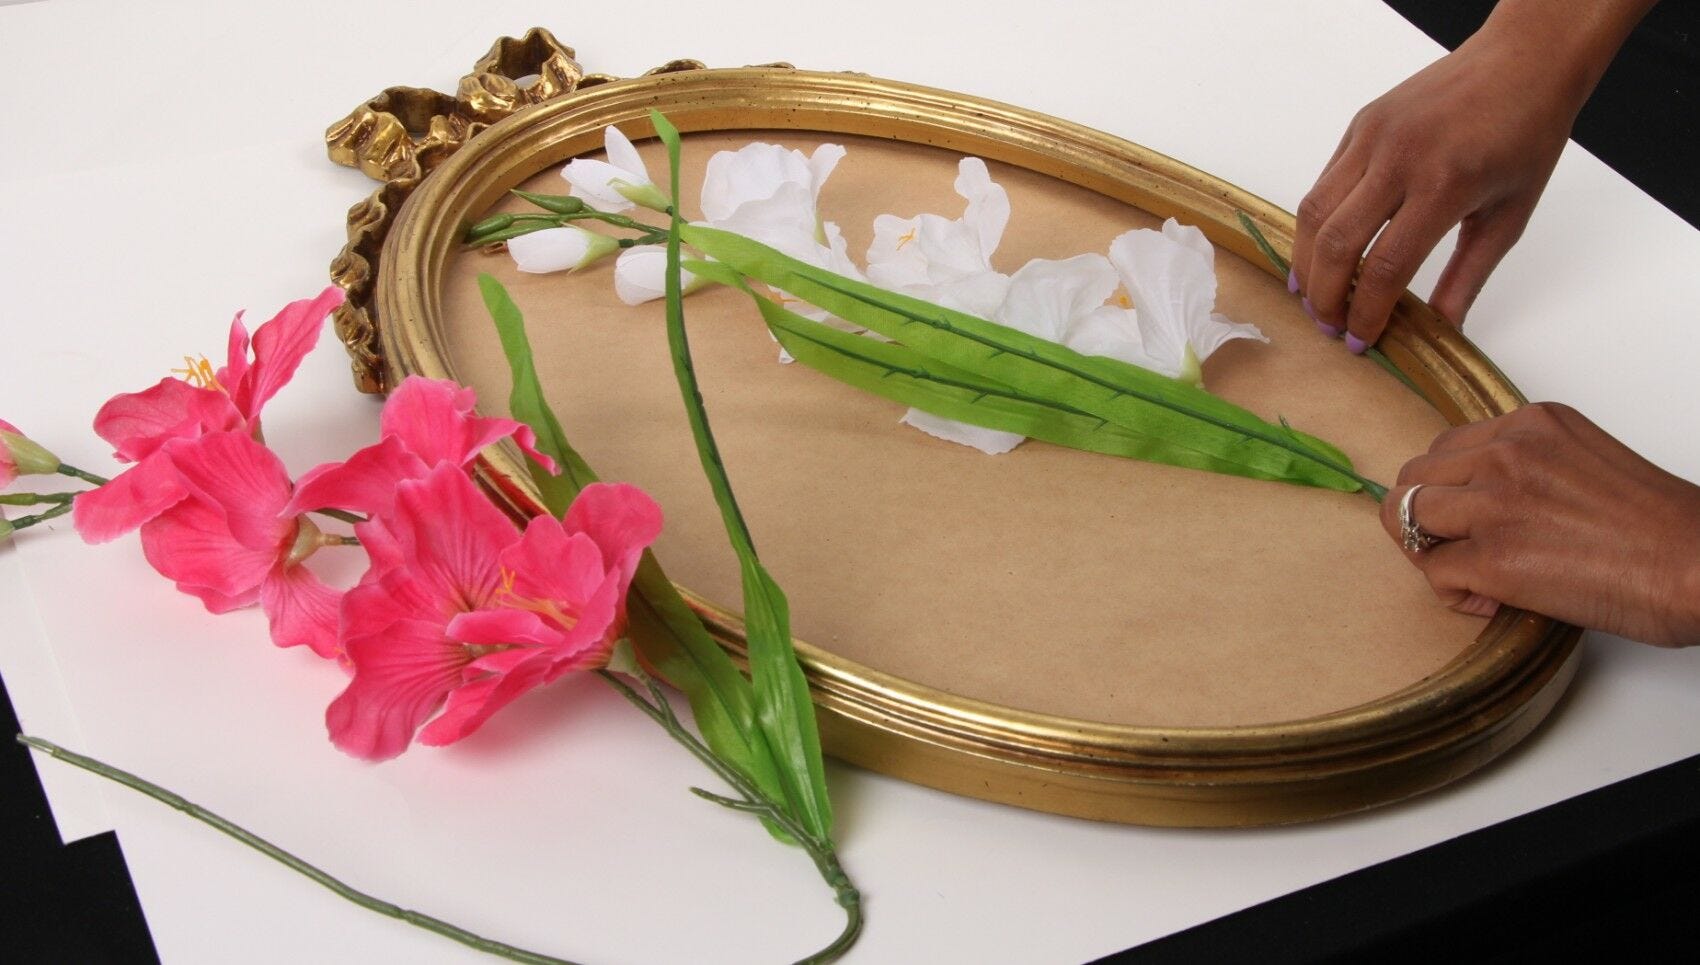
point(22, 456)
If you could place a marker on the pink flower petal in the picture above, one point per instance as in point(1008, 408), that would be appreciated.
point(138, 423)
point(236, 362)
point(400, 678)
point(279, 347)
point(471, 704)
point(302, 610)
point(190, 544)
point(552, 564)
point(453, 536)
point(372, 607)
point(622, 519)
point(8, 467)
point(429, 417)
point(133, 497)
point(364, 484)
point(492, 628)
point(434, 419)
point(245, 480)
point(384, 551)
point(217, 602)
point(526, 439)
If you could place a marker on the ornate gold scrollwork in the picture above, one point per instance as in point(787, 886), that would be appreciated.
point(400, 135)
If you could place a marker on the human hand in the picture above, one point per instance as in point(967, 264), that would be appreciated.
point(1469, 141)
point(1543, 510)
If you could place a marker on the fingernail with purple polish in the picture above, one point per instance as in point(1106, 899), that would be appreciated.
point(1292, 282)
point(1321, 325)
point(1355, 345)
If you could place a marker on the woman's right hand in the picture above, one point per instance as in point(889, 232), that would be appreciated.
point(1470, 140)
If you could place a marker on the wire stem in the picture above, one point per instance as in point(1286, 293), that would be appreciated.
point(25, 522)
point(252, 840)
point(33, 499)
point(86, 476)
point(754, 801)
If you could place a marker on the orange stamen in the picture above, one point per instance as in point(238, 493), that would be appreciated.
point(505, 596)
point(199, 372)
point(1122, 299)
point(905, 239)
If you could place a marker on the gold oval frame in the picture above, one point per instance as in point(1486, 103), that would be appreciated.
point(1484, 701)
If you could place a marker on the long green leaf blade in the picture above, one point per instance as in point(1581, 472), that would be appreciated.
point(1126, 395)
point(526, 402)
point(900, 374)
point(783, 705)
point(667, 633)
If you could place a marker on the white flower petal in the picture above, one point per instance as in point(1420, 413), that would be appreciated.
point(624, 156)
point(837, 253)
point(992, 442)
point(1046, 297)
point(1172, 283)
point(1171, 279)
point(754, 172)
point(952, 249)
point(784, 220)
point(821, 163)
point(979, 295)
point(1209, 334)
point(640, 274)
point(894, 259)
point(987, 213)
point(1114, 333)
point(552, 249)
point(591, 179)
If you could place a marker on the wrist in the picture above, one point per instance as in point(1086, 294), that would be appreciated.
point(1564, 46)
point(1686, 615)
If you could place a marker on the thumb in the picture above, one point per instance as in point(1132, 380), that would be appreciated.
point(1483, 240)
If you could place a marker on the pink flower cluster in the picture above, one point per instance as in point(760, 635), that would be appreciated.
point(459, 611)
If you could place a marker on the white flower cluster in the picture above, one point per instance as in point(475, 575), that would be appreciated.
point(1150, 302)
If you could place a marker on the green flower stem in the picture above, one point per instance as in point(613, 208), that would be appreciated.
point(25, 522)
point(524, 224)
point(340, 514)
point(33, 499)
point(653, 238)
point(283, 857)
point(75, 473)
point(753, 801)
point(1283, 267)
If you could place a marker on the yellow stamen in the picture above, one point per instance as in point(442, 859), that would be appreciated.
point(1122, 299)
point(199, 372)
point(505, 596)
point(905, 239)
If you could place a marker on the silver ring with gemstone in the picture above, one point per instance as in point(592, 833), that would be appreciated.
point(1413, 537)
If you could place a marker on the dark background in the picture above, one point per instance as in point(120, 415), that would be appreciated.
point(1611, 873)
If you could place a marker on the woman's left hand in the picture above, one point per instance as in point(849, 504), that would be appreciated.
point(1543, 510)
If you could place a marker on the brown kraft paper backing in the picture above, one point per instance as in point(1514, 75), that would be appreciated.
point(1047, 579)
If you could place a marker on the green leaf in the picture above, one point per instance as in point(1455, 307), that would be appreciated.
point(1214, 431)
point(784, 709)
point(1262, 243)
point(900, 374)
point(528, 405)
point(667, 633)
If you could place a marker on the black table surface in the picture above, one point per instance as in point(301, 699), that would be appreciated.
point(1608, 874)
